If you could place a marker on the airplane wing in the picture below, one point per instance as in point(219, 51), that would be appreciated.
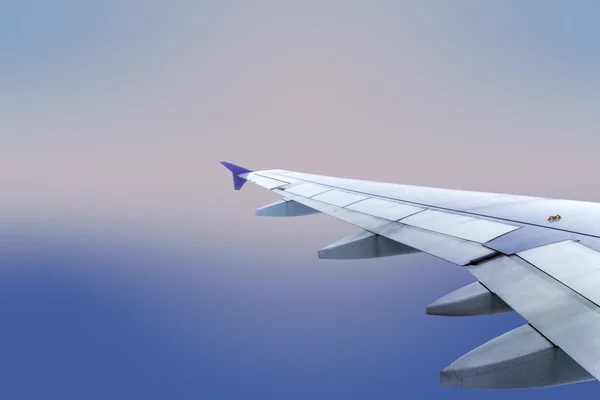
point(536, 256)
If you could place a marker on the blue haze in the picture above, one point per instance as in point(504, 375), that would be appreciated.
point(101, 320)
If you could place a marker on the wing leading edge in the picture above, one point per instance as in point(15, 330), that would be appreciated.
point(515, 270)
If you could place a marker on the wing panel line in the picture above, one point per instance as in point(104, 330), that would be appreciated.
point(457, 212)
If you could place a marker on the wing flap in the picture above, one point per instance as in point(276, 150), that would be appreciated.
point(391, 210)
point(457, 251)
point(566, 318)
point(460, 226)
point(571, 263)
point(527, 237)
point(364, 221)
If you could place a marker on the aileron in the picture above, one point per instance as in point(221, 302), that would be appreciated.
point(460, 226)
point(307, 189)
point(339, 198)
point(267, 183)
point(390, 210)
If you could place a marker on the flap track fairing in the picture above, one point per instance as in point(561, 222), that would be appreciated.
point(470, 300)
point(363, 245)
point(285, 208)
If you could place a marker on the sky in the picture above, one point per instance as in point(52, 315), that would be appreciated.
point(130, 267)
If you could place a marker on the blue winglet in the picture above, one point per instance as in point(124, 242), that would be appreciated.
point(236, 171)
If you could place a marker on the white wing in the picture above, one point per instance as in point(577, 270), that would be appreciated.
point(539, 257)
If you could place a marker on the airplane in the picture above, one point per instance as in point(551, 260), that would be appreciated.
point(538, 257)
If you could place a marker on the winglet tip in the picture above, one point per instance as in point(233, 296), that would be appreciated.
point(236, 171)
